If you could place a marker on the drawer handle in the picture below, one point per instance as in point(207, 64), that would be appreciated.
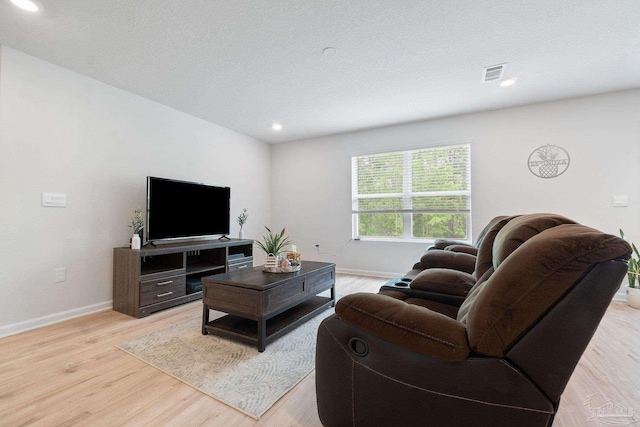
point(166, 282)
point(164, 295)
point(242, 266)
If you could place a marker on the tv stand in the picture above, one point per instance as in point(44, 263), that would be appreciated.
point(154, 278)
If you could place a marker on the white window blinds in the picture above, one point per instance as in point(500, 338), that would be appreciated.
point(413, 194)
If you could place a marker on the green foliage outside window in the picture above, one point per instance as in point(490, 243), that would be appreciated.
point(440, 226)
point(380, 225)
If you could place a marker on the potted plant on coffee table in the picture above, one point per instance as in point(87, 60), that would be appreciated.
point(633, 277)
point(272, 244)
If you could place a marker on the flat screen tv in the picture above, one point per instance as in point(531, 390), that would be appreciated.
point(180, 209)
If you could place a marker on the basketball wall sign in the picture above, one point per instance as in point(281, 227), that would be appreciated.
point(548, 161)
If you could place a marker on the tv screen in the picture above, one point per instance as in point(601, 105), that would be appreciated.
point(180, 209)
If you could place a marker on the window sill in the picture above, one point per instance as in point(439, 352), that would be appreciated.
point(401, 240)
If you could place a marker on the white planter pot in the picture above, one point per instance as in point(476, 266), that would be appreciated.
point(271, 261)
point(241, 234)
point(633, 297)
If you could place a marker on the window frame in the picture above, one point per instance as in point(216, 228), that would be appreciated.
point(406, 195)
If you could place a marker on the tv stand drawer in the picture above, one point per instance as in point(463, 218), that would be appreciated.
point(162, 289)
point(241, 265)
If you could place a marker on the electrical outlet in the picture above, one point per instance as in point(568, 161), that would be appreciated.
point(61, 274)
point(54, 199)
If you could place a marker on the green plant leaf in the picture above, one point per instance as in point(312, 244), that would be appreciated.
point(273, 243)
point(633, 268)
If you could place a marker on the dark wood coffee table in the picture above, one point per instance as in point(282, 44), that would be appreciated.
point(264, 306)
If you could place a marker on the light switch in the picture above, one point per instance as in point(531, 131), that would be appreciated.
point(54, 199)
point(61, 274)
point(620, 201)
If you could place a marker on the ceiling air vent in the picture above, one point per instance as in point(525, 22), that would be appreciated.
point(493, 72)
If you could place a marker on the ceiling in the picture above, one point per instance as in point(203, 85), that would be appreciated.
point(245, 64)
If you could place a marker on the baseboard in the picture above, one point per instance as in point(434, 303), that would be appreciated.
point(620, 296)
point(27, 325)
point(369, 273)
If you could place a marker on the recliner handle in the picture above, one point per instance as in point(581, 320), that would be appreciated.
point(358, 347)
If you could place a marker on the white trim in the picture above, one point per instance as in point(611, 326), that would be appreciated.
point(382, 274)
point(418, 145)
point(27, 325)
point(620, 296)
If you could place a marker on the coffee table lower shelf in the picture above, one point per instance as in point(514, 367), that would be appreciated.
point(248, 330)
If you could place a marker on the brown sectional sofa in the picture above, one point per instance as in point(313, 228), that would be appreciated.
point(502, 357)
point(451, 254)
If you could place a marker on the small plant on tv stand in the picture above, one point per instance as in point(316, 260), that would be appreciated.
point(137, 224)
point(242, 218)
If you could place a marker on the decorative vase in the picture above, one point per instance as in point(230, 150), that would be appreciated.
point(271, 261)
point(135, 241)
point(633, 297)
point(241, 234)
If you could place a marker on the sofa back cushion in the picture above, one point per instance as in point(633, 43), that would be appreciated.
point(505, 237)
point(484, 259)
point(531, 278)
point(521, 229)
point(486, 229)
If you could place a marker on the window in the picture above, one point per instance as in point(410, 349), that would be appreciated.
point(414, 194)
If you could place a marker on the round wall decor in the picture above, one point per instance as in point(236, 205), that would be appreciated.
point(548, 161)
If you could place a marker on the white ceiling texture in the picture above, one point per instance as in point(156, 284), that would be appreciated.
point(245, 64)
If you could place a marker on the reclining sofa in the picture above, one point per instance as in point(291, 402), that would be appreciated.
point(500, 358)
point(451, 254)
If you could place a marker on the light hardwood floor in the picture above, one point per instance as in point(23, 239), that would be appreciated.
point(72, 374)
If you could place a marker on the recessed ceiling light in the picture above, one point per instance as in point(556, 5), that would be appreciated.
point(508, 82)
point(329, 51)
point(276, 126)
point(26, 5)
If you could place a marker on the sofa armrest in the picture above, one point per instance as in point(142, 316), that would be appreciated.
point(447, 259)
point(471, 250)
point(443, 243)
point(444, 281)
point(409, 326)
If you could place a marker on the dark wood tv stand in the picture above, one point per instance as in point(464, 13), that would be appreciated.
point(154, 278)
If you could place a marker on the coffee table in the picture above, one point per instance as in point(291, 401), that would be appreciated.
point(264, 306)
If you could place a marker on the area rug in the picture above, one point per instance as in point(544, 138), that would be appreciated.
point(231, 372)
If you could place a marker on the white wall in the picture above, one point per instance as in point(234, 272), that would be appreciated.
point(62, 132)
point(312, 178)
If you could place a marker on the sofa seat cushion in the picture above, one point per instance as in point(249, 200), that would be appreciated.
point(407, 325)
